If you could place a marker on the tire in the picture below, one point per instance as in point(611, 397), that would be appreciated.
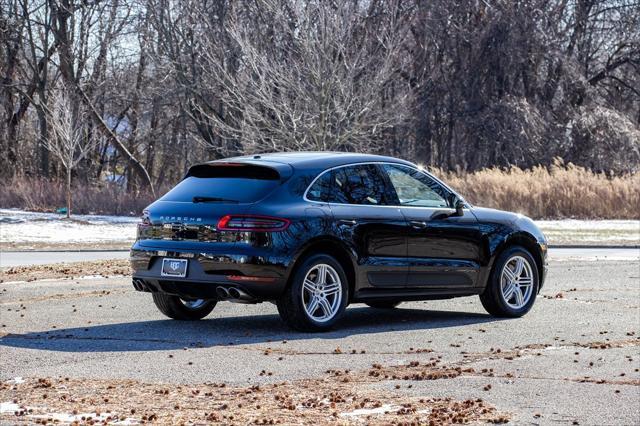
point(382, 305)
point(176, 308)
point(295, 303)
point(494, 299)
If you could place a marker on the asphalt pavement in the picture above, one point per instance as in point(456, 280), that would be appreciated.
point(574, 358)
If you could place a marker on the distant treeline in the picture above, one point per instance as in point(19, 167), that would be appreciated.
point(136, 90)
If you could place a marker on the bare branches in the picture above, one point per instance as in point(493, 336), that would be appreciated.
point(320, 81)
point(458, 85)
point(68, 141)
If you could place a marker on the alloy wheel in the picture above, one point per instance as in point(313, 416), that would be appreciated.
point(193, 303)
point(516, 282)
point(322, 292)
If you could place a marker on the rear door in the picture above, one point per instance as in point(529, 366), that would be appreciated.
point(363, 218)
point(443, 250)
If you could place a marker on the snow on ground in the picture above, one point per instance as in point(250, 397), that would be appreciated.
point(20, 227)
point(386, 408)
point(66, 418)
point(8, 407)
point(571, 231)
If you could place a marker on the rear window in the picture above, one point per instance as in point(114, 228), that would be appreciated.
point(228, 183)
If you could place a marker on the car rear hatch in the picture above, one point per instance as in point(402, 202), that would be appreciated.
point(187, 216)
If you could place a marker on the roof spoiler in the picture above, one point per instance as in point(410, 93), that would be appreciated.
point(240, 169)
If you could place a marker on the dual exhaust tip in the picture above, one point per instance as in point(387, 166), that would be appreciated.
point(140, 285)
point(234, 294)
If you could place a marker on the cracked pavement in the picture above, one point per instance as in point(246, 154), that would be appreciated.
point(574, 358)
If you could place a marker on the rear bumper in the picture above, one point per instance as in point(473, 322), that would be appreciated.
point(208, 270)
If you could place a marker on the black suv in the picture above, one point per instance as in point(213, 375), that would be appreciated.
point(316, 231)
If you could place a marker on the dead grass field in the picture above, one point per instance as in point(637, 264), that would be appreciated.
point(556, 192)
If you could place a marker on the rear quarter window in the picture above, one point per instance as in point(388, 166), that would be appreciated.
point(321, 188)
point(358, 184)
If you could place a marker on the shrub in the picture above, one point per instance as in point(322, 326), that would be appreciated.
point(39, 194)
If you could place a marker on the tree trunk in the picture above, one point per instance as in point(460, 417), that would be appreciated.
point(43, 151)
point(68, 192)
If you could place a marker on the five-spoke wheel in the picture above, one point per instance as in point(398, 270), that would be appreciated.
point(322, 292)
point(512, 285)
point(193, 303)
point(516, 282)
point(316, 296)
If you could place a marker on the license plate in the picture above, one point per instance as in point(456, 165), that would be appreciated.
point(174, 268)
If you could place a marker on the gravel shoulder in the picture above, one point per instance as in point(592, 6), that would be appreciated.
point(95, 268)
point(88, 345)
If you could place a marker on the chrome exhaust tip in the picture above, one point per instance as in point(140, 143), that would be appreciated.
point(234, 293)
point(222, 293)
point(139, 285)
point(237, 295)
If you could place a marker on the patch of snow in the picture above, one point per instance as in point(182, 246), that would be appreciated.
point(19, 226)
point(9, 407)
point(82, 418)
point(593, 225)
point(17, 216)
point(15, 381)
point(594, 258)
point(595, 232)
point(368, 411)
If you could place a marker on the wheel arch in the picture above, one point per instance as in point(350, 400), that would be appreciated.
point(332, 247)
point(528, 242)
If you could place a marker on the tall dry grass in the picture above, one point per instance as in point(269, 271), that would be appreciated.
point(39, 194)
point(555, 192)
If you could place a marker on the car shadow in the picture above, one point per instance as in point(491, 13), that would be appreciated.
point(160, 335)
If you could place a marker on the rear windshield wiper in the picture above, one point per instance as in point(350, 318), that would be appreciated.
point(198, 199)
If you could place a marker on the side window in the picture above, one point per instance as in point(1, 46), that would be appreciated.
point(415, 188)
point(361, 184)
point(321, 188)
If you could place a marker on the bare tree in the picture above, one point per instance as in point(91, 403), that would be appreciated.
point(69, 143)
point(460, 85)
point(297, 75)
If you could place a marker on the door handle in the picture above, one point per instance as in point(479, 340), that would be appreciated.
point(347, 222)
point(416, 224)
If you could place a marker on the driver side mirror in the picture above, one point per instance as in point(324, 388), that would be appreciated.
point(459, 206)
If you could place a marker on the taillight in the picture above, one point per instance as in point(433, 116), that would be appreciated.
point(145, 217)
point(252, 223)
point(143, 225)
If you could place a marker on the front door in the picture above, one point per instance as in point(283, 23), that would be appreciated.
point(443, 249)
